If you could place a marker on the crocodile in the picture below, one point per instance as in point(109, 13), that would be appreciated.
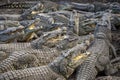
point(44, 17)
point(63, 41)
point(43, 56)
point(81, 25)
point(34, 44)
point(99, 58)
point(28, 13)
point(82, 6)
point(49, 6)
point(16, 61)
point(19, 36)
point(108, 78)
point(45, 24)
point(7, 38)
point(43, 6)
point(86, 27)
point(70, 39)
point(51, 19)
point(18, 5)
point(59, 69)
point(10, 47)
point(6, 16)
point(30, 30)
point(96, 6)
point(11, 30)
point(63, 12)
point(48, 35)
point(60, 18)
point(7, 24)
point(27, 32)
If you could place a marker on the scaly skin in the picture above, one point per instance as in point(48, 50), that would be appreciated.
point(43, 56)
point(96, 7)
point(36, 73)
point(108, 78)
point(4, 25)
point(60, 18)
point(43, 6)
point(99, 58)
point(38, 43)
point(7, 38)
point(10, 34)
point(87, 69)
point(28, 13)
point(8, 48)
point(61, 67)
point(24, 33)
point(116, 65)
point(34, 44)
point(17, 5)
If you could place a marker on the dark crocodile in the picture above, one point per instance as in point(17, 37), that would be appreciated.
point(99, 58)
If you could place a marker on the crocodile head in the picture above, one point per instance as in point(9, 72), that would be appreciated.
point(49, 37)
point(68, 60)
point(62, 41)
point(70, 41)
point(103, 27)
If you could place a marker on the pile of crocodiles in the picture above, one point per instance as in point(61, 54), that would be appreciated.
point(45, 40)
